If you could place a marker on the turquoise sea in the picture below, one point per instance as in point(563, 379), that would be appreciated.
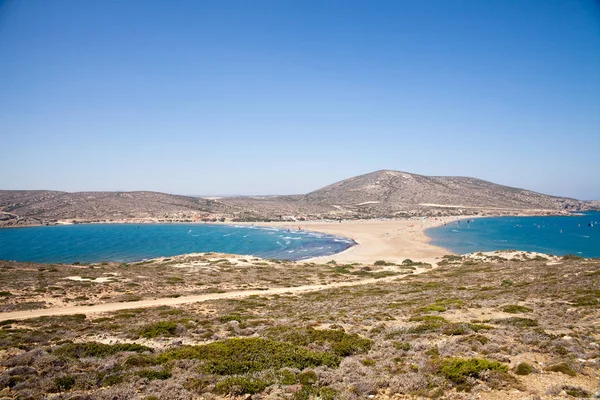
point(577, 234)
point(131, 242)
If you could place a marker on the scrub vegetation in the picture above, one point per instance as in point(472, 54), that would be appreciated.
point(455, 331)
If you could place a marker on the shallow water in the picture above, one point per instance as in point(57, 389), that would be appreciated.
point(550, 235)
point(131, 242)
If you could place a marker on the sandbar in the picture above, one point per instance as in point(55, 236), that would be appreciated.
point(392, 240)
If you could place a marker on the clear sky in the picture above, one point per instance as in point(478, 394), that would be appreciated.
point(280, 97)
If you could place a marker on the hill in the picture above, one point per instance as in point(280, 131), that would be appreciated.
point(388, 191)
point(378, 194)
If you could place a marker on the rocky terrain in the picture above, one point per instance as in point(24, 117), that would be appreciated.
point(502, 325)
point(378, 194)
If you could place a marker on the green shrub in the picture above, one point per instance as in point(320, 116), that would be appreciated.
point(162, 328)
point(516, 309)
point(152, 374)
point(308, 378)
point(447, 328)
point(65, 382)
point(113, 379)
point(311, 392)
point(563, 367)
point(523, 369)
point(237, 385)
point(5, 294)
point(588, 300)
point(517, 321)
point(458, 369)
point(287, 377)
point(442, 305)
point(507, 282)
point(402, 346)
point(432, 308)
point(452, 257)
point(139, 360)
point(575, 391)
point(94, 349)
point(173, 280)
point(428, 318)
point(568, 257)
point(383, 263)
point(463, 328)
point(231, 317)
point(240, 356)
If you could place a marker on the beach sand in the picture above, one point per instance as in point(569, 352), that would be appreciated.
point(389, 240)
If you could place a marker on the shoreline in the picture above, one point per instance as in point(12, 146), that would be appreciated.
point(392, 240)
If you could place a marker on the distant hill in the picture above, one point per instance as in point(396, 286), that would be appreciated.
point(378, 194)
point(37, 206)
point(391, 191)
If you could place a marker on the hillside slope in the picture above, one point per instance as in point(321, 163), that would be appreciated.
point(390, 191)
point(378, 194)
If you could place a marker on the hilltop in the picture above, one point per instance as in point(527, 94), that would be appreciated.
point(382, 193)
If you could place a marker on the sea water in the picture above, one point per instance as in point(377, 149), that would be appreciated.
point(133, 242)
point(559, 235)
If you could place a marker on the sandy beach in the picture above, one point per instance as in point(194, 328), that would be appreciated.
point(389, 240)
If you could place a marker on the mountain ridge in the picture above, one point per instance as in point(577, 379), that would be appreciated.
point(382, 193)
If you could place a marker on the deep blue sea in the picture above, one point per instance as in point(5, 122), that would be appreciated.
point(578, 234)
point(131, 242)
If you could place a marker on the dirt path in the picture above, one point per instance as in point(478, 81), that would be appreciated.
point(169, 301)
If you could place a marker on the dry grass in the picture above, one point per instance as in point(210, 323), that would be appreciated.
point(451, 332)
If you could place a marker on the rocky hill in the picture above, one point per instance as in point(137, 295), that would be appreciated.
point(392, 191)
point(35, 207)
point(378, 194)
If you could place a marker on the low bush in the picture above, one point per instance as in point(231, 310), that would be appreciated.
point(237, 385)
point(458, 370)
point(402, 346)
point(568, 257)
point(152, 374)
point(94, 349)
point(240, 356)
point(383, 263)
point(162, 328)
point(311, 392)
point(523, 369)
point(575, 391)
point(516, 309)
point(517, 321)
point(562, 367)
point(64, 383)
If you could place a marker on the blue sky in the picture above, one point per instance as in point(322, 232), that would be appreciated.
point(280, 97)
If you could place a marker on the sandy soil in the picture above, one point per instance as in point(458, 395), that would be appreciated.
point(170, 301)
point(389, 240)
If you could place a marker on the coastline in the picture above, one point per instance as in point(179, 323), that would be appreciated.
point(392, 240)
